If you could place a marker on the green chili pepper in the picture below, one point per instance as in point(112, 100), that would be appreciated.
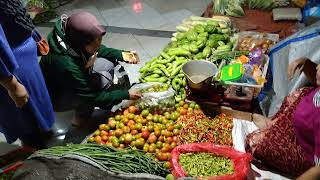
point(205, 165)
point(164, 55)
point(179, 52)
point(176, 84)
point(176, 71)
point(157, 66)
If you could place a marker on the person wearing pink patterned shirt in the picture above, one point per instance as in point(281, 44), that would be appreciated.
point(290, 142)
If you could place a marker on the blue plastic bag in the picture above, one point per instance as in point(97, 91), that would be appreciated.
point(311, 12)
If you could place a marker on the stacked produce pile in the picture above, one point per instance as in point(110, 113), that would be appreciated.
point(234, 7)
point(197, 38)
point(152, 133)
point(196, 127)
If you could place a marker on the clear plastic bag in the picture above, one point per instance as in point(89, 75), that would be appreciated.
point(157, 97)
point(248, 40)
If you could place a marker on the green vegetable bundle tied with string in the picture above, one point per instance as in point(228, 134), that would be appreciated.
point(204, 165)
point(118, 161)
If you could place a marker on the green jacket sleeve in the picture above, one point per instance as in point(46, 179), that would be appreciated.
point(110, 53)
point(79, 81)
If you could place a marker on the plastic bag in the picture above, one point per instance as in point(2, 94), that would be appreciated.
point(241, 161)
point(159, 102)
point(35, 7)
point(248, 40)
point(311, 12)
point(169, 92)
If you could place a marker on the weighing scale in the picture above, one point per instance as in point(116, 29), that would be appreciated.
point(212, 93)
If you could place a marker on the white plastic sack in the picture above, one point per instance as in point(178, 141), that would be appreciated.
point(156, 102)
point(305, 43)
point(159, 95)
point(241, 128)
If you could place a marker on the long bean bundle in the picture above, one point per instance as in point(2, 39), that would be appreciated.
point(118, 161)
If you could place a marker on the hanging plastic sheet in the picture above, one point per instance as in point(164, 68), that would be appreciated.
point(305, 43)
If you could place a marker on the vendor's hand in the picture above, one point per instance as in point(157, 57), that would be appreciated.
point(131, 57)
point(318, 75)
point(19, 95)
point(296, 67)
point(92, 60)
point(134, 95)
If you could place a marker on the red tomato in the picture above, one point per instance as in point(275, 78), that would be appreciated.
point(168, 156)
point(105, 138)
point(162, 156)
point(125, 121)
point(112, 123)
point(150, 128)
point(91, 139)
point(173, 145)
point(152, 138)
point(167, 147)
point(169, 140)
point(104, 133)
point(144, 121)
point(161, 138)
point(132, 109)
point(176, 132)
point(144, 128)
point(140, 143)
point(157, 132)
point(132, 127)
point(167, 165)
point(102, 143)
point(146, 148)
point(111, 133)
point(126, 129)
point(126, 112)
point(119, 132)
point(152, 149)
point(134, 132)
point(102, 126)
point(132, 122)
point(175, 139)
point(145, 134)
point(170, 128)
point(98, 139)
point(183, 111)
point(128, 138)
point(121, 146)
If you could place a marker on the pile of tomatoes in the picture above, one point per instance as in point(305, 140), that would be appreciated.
point(152, 133)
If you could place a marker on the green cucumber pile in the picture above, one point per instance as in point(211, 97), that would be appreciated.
point(205, 165)
point(196, 39)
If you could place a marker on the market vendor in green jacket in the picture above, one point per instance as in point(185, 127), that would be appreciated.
point(79, 70)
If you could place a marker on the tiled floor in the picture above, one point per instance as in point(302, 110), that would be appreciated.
point(162, 15)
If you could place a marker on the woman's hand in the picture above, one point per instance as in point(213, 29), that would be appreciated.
point(296, 67)
point(16, 90)
point(134, 95)
point(131, 57)
point(19, 95)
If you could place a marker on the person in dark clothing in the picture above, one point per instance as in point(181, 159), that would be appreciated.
point(25, 107)
point(76, 56)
